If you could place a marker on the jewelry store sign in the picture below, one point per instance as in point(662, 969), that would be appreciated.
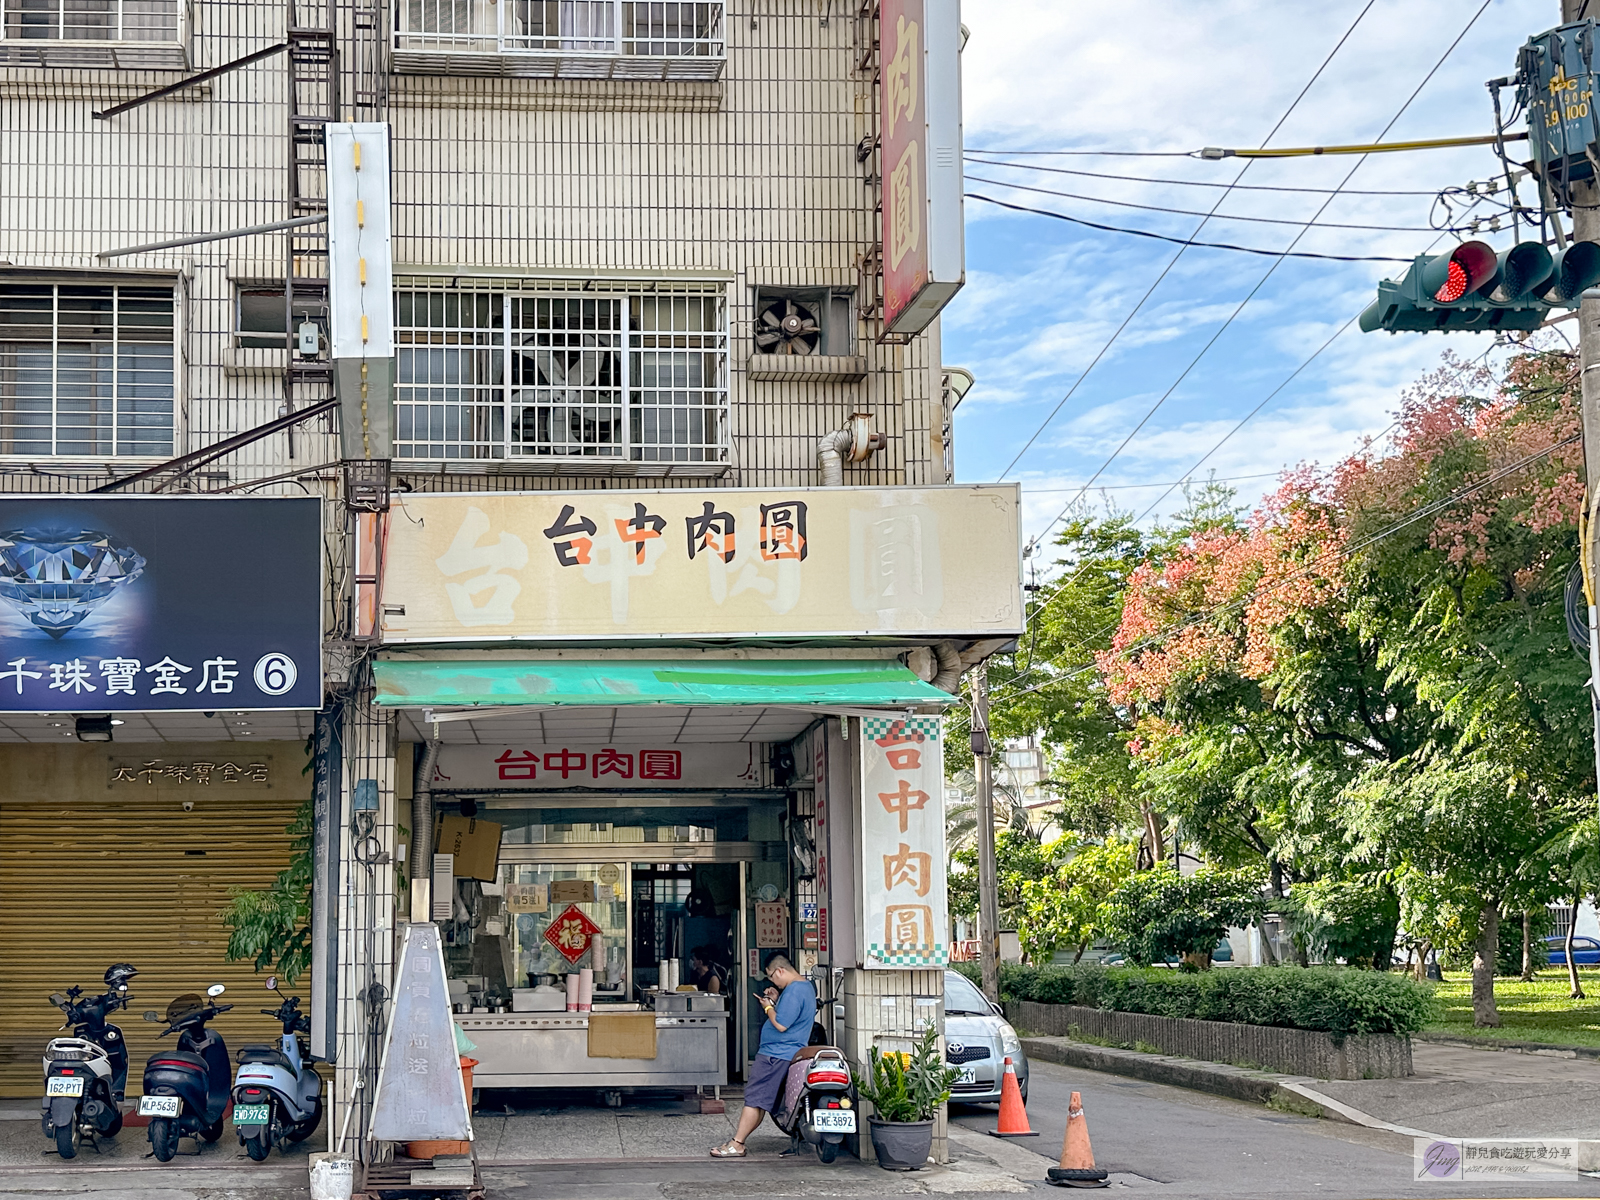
point(140, 603)
point(745, 562)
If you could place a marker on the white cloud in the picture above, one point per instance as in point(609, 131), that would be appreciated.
point(1044, 296)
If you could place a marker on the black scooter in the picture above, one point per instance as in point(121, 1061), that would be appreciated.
point(187, 1089)
point(84, 1075)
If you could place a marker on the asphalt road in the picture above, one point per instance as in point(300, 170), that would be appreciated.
point(1176, 1143)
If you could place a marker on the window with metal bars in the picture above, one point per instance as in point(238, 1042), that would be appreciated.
point(86, 371)
point(650, 28)
point(91, 20)
point(632, 376)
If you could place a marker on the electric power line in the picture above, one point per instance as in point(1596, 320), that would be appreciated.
point(1449, 50)
point(1205, 183)
point(1177, 241)
point(1185, 212)
point(1135, 487)
point(1060, 588)
point(1107, 153)
point(1182, 247)
point(1422, 513)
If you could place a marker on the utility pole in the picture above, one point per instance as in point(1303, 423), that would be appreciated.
point(1586, 227)
point(988, 894)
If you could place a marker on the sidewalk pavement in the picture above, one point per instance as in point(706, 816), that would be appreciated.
point(571, 1151)
point(1468, 1093)
point(1456, 1092)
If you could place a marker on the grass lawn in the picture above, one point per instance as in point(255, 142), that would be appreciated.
point(1529, 1012)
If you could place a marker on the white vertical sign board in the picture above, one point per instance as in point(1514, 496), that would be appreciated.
point(360, 261)
point(420, 1092)
point(904, 910)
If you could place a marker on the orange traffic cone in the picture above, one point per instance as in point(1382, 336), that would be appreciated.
point(1077, 1167)
point(1013, 1115)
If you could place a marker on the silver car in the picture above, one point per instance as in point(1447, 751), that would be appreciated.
point(979, 1039)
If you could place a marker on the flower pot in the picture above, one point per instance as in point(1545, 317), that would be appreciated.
point(901, 1145)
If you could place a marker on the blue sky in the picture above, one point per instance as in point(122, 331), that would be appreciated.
point(1043, 296)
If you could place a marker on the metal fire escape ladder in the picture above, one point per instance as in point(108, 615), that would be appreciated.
point(313, 101)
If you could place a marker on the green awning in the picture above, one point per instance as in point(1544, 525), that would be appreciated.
point(468, 682)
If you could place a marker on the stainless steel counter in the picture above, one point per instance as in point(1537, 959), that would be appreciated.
point(526, 1050)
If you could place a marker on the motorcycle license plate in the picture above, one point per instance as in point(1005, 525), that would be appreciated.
point(251, 1114)
point(968, 1075)
point(159, 1106)
point(62, 1085)
point(833, 1120)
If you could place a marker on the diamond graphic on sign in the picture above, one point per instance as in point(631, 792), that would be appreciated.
point(571, 933)
point(56, 580)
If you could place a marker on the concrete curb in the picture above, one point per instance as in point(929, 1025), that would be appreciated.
point(1220, 1079)
point(1543, 1049)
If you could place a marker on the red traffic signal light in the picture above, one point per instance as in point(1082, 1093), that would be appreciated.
point(1448, 278)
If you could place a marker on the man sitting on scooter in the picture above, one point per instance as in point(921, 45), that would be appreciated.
point(790, 1003)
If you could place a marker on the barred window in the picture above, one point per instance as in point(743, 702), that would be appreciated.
point(560, 374)
point(91, 20)
point(86, 370)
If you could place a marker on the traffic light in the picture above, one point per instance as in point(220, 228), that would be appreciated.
point(1473, 288)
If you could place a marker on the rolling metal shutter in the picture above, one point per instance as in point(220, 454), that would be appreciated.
point(87, 883)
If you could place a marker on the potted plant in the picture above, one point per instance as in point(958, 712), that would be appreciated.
point(906, 1089)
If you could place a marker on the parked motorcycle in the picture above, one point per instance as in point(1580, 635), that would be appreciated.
point(277, 1097)
point(818, 1106)
point(186, 1090)
point(84, 1075)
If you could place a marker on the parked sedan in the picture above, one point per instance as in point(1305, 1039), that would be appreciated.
point(1585, 951)
point(978, 1040)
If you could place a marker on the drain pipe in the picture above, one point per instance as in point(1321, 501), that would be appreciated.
point(857, 440)
point(953, 665)
point(422, 835)
point(950, 667)
point(830, 457)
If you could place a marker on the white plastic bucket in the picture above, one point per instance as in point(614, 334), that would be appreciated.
point(332, 1176)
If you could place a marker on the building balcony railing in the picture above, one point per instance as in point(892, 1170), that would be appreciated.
point(559, 39)
point(145, 35)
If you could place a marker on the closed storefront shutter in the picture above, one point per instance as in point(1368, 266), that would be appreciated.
point(86, 883)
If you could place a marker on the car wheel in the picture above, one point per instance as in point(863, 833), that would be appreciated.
point(1023, 1088)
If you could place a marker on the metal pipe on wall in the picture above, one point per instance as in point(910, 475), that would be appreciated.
point(422, 833)
point(988, 895)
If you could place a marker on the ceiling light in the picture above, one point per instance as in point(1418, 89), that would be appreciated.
point(93, 729)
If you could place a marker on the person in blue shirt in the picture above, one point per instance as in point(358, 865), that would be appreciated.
point(790, 1003)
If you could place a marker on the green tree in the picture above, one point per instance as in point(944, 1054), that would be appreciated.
point(1160, 914)
point(1019, 859)
point(1354, 919)
point(1064, 910)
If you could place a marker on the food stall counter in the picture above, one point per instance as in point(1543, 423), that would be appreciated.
point(615, 1048)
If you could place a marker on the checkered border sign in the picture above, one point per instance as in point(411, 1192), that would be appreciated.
point(937, 955)
point(876, 727)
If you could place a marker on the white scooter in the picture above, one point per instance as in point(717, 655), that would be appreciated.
point(277, 1097)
